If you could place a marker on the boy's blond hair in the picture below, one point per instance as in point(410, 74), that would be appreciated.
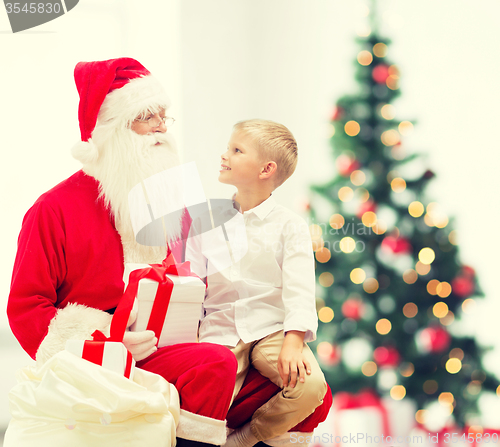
point(275, 143)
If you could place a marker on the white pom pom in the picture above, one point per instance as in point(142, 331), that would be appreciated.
point(85, 151)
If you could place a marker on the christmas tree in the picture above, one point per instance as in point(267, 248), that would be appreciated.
point(392, 288)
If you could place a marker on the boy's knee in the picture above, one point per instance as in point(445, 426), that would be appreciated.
point(312, 391)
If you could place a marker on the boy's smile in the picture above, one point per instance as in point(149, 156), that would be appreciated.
point(241, 163)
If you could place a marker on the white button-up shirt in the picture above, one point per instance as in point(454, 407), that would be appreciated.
point(260, 276)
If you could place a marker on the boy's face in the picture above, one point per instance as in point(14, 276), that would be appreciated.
point(241, 163)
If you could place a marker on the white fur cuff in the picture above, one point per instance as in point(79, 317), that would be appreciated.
point(201, 428)
point(76, 322)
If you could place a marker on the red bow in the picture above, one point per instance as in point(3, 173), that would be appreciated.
point(155, 272)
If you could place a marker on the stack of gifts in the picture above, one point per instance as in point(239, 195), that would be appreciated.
point(366, 419)
point(169, 300)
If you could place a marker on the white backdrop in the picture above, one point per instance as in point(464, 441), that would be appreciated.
point(286, 60)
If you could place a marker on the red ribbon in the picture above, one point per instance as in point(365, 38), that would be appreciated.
point(93, 351)
point(365, 398)
point(158, 273)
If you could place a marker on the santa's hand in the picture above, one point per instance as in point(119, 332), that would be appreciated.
point(140, 344)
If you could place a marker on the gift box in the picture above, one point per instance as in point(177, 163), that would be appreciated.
point(111, 355)
point(172, 312)
point(366, 419)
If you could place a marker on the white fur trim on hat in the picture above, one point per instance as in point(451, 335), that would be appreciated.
point(140, 94)
point(74, 321)
point(201, 428)
point(85, 151)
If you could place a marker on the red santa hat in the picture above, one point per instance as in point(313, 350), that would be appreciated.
point(116, 91)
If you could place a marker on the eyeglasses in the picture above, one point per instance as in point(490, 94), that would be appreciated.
point(155, 121)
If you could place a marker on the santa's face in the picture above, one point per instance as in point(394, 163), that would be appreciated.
point(150, 123)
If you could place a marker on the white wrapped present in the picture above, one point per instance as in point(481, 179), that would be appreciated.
point(111, 355)
point(172, 314)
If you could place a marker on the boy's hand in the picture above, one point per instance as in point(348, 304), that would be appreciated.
point(292, 360)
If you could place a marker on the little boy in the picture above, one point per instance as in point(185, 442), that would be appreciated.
point(263, 305)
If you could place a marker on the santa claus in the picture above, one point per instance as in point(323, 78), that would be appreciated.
point(68, 271)
point(74, 240)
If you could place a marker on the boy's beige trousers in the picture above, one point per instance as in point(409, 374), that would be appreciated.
point(289, 406)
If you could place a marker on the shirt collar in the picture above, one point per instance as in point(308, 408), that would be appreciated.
point(262, 210)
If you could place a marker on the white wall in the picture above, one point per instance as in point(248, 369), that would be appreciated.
point(287, 60)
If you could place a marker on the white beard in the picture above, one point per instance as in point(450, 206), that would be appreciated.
point(125, 159)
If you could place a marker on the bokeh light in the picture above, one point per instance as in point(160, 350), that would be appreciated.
point(324, 349)
point(390, 137)
point(380, 49)
point(346, 194)
point(392, 82)
point(453, 366)
point(325, 279)
point(352, 128)
point(358, 177)
point(323, 255)
point(410, 310)
point(469, 306)
point(388, 111)
point(318, 244)
point(370, 285)
point(410, 276)
point(380, 227)
point(398, 184)
point(440, 309)
point(432, 286)
point(398, 392)
point(369, 219)
point(416, 209)
point(421, 416)
point(369, 368)
point(446, 398)
point(326, 314)
point(362, 195)
point(405, 128)
point(383, 326)
point(347, 244)
point(443, 289)
point(337, 221)
point(406, 369)
point(357, 275)
point(456, 353)
point(448, 319)
point(426, 255)
point(365, 57)
point(453, 237)
point(422, 269)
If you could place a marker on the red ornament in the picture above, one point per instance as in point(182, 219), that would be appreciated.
point(434, 339)
point(337, 113)
point(346, 165)
point(386, 356)
point(462, 286)
point(334, 357)
point(397, 245)
point(380, 73)
point(353, 308)
point(369, 205)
